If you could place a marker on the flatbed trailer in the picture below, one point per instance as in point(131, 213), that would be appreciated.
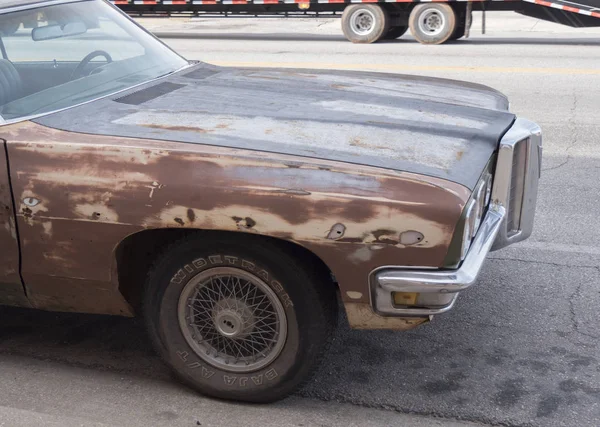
point(368, 21)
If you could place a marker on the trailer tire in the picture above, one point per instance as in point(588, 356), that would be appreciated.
point(432, 23)
point(461, 27)
point(459, 32)
point(365, 23)
point(396, 32)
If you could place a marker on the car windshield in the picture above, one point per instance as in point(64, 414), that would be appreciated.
point(54, 57)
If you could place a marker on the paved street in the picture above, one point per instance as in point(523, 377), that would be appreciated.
point(520, 349)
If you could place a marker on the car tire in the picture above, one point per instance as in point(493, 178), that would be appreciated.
point(432, 23)
point(365, 23)
point(261, 318)
point(396, 32)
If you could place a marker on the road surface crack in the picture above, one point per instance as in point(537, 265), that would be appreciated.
point(574, 134)
point(557, 166)
point(556, 264)
point(432, 414)
point(573, 312)
point(576, 293)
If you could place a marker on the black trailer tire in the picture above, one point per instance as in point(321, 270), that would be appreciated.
point(458, 33)
point(432, 23)
point(461, 27)
point(396, 32)
point(239, 319)
point(365, 23)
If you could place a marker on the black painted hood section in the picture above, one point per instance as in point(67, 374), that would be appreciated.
point(429, 126)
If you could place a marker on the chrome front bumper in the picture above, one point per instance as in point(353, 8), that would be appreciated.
point(509, 219)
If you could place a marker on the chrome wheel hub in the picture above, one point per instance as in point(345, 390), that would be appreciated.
point(362, 22)
point(232, 319)
point(432, 22)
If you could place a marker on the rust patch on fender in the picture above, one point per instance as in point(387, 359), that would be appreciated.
point(140, 184)
point(11, 289)
point(191, 215)
point(336, 232)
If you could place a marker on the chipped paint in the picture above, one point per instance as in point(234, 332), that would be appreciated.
point(11, 227)
point(310, 229)
point(96, 211)
point(293, 191)
point(362, 140)
point(31, 202)
point(154, 186)
point(442, 112)
point(411, 237)
point(354, 294)
point(11, 290)
point(97, 190)
point(418, 90)
point(336, 232)
point(401, 113)
point(361, 254)
point(47, 226)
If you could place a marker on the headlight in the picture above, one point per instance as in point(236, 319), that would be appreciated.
point(469, 228)
point(488, 190)
point(475, 211)
point(479, 197)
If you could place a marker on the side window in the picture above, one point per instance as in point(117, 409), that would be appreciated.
point(16, 41)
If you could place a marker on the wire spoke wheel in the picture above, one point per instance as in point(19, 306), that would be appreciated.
point(232, 319)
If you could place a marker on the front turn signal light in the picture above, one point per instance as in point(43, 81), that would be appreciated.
point(405, 298)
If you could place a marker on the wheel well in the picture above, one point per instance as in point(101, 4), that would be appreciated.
point(136, 254)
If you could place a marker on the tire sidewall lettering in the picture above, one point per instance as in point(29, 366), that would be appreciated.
point(244, 380)
point(196, 367)
point(191, 269)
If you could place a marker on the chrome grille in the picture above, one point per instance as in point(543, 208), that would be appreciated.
point(517, 186)
point(516, 181)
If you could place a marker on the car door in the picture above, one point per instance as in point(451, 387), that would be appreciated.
point(11, 287)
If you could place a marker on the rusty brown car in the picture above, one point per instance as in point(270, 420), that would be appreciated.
point(236, 209)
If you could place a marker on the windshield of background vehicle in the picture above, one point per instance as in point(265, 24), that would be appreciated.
point(43, 49)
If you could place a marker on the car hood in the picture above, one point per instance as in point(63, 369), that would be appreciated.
point(429, 126)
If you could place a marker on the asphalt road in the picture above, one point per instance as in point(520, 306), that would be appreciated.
point(520, 348)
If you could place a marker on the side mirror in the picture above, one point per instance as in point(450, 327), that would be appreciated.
point(56, 31)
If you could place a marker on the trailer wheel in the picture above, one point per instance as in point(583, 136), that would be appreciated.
point(432, 23)
point(459, 32)
point(396, 32)
point(461, 27)
point(365, 23)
